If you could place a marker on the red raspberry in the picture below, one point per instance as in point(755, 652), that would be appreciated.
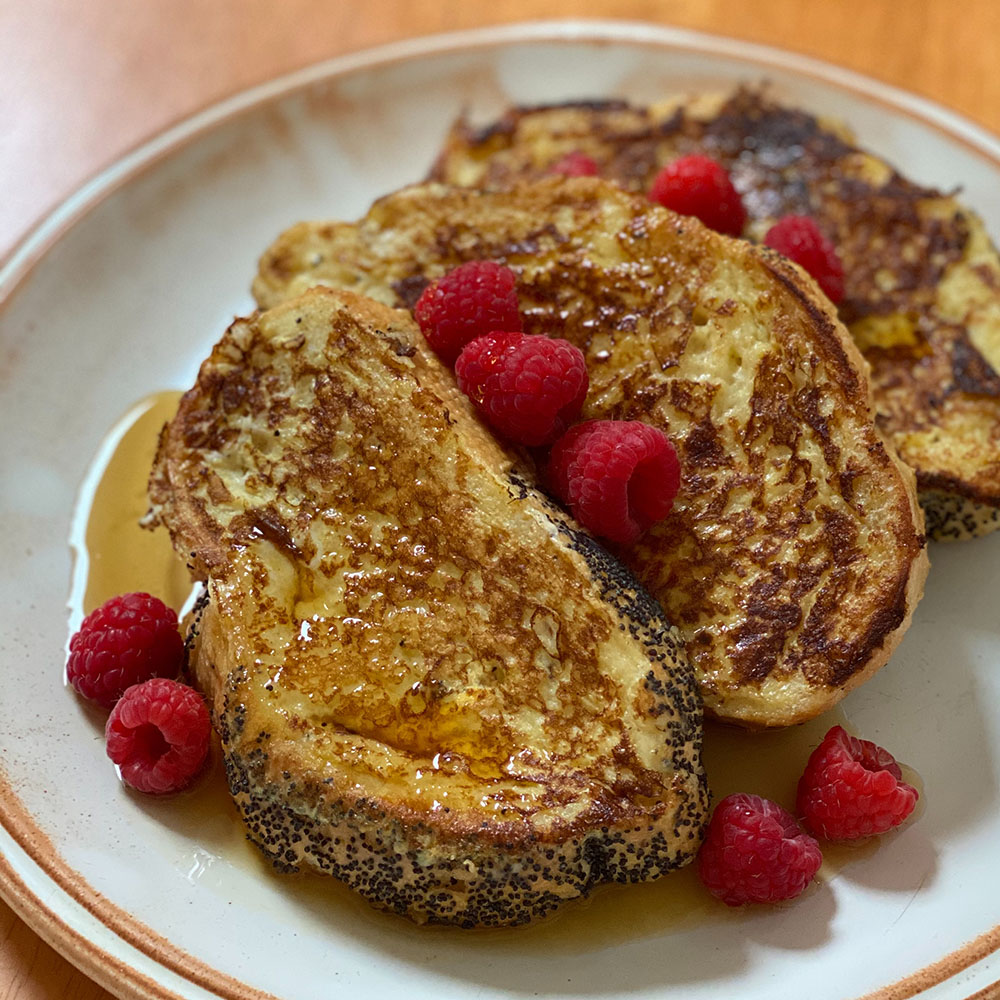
point(158, 735)
point(618, 477)
point(530, 388)
point(475, 298)
point(755, 852)
point(575, 164)
point(697, 185)
point(799, 239)
point(128, 639)
point(852, 788)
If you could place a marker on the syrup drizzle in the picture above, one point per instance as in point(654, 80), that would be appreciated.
point(115, 554)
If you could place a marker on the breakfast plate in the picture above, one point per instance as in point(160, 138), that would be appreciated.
point(110, 305)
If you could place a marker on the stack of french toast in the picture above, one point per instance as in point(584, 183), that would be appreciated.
point(431, 682)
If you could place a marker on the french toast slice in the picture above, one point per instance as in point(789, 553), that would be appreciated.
point(922, 288)
point(427, 679)
point(794, 554)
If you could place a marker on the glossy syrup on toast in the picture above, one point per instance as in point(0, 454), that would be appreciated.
point(428, 681)
point(794, 555)
point(922, 279)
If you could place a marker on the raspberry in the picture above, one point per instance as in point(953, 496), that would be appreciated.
point(852, 788)
point(799, 239)
point(475, 298)
point(618, 477)
point(158, 735)
point(697, 185)
point(529, 388)
point(128, 639)
point(575, 164)
point(755, 852)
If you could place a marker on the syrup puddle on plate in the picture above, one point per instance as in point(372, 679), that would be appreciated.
point(112, 553)
point(115, 554)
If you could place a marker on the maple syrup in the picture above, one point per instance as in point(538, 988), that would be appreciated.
point(115, 554)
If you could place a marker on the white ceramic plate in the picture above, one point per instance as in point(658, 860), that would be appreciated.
point(121, 292)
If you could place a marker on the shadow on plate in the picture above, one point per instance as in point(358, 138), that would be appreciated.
point(621, 939)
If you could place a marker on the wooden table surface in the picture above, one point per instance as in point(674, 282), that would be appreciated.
point(83, 82)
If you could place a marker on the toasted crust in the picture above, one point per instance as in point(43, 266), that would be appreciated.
point(922, 277)
point(428, 681)
point(794, 556)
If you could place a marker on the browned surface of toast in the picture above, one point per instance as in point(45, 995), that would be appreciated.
point(922, 278)
point(794, 555)
point(428, 681)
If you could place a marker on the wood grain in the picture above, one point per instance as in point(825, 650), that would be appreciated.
point(81, 83)
point(31, 970)
point(84, 82)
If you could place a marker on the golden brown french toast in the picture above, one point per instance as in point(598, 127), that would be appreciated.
point(922, 277)
point(427, 679)
point(794, 555)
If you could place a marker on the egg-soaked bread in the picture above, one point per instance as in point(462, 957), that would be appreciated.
point(922, 279)
point(794, 555)
point(427, 680)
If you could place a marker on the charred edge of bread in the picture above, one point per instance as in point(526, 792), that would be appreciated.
point(754, 709)
point(951, 517)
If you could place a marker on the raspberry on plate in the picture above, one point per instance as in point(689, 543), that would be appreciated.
point(755, 852)
point(852, 788)
point(475, 298)
point(618, 477)
point(799, 239)
point(529, 388)
point(126, 640)
point(158, 735)
point(697, 185)
point(575, 164)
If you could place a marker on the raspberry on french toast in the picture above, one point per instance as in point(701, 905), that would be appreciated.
point(427, 680)
point(794, 554)
point(922, 279)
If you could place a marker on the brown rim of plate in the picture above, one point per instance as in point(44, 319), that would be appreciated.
point(107, 970)
point(990, 992)
point(101, 966)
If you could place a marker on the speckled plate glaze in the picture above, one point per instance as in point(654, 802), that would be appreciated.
point(120, 293)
